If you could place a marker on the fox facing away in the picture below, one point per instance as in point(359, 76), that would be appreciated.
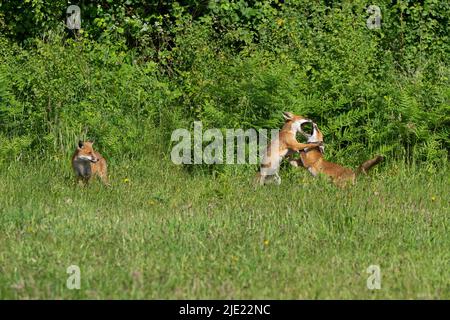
point(88, 163)
point(281, 146)
point(312, 159)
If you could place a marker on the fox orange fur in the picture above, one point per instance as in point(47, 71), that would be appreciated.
point(312, 159)
point(282, 145)
point(88, 163)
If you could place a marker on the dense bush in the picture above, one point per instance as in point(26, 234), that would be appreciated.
point(325, 63)
point(138, 70)
point(55, 94)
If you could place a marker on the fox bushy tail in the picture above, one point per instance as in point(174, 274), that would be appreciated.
point(367, 165)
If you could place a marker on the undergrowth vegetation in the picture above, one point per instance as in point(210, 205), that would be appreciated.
point(162, 233)
point(229, 64)
point(138, 70)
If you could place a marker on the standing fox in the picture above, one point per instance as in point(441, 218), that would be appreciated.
point(312, 159)
point(282, 145)
point(87, 162)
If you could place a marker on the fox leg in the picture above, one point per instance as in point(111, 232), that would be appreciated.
point(262, 179)
point(102, 172)
point(263, 173)
point(277, 178)
point(295, 162)
point(82, 181)
point(302, 146)
point(104, 179)
point(293, 145)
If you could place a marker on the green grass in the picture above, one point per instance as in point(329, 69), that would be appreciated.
point(162, 233)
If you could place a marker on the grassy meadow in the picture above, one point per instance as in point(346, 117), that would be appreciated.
point(375, 77)
point(162, 233)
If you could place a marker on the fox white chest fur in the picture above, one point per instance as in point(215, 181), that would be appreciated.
point(82, 167)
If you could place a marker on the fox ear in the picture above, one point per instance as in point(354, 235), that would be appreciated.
point(287, 115)
point(80, 144)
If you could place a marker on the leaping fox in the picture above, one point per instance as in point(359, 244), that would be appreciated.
point(281, 146)
point(312, 159)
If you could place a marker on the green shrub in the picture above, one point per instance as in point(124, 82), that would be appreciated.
point(140, 70)
point(60, 93)
point(323, 63)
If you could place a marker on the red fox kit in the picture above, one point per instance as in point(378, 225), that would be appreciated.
point(281, 146)
point(87, 163)
point(312, 159)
